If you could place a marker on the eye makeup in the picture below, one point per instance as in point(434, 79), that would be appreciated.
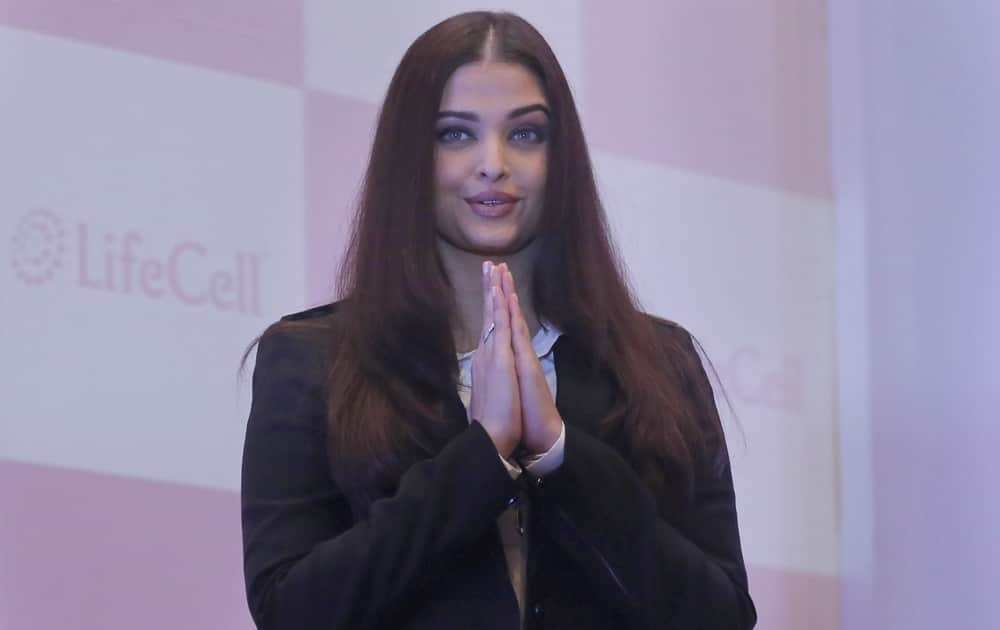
point(447, 134)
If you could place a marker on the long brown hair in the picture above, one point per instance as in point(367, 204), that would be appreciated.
point(394, 360)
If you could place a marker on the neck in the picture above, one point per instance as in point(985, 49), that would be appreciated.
point(465, 269)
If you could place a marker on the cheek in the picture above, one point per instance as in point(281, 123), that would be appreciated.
point(533, 173)
point(449, 172)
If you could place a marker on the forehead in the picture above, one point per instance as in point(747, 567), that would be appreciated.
point(491, 86)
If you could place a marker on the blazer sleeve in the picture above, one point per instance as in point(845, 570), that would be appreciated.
point(680, 570)
point(306, 564)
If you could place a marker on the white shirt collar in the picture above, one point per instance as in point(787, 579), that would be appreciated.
point(542, 342)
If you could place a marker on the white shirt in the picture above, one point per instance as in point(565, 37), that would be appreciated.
point(515, 541)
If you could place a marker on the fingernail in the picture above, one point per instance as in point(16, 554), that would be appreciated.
point(486, 268)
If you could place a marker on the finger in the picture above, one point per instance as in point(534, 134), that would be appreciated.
point(518, 324)
point(508, 282)
point(497, 276)
point(501, 271)
point(487, 297)
point(517, 331)
point(501, 315)
point(489, 321)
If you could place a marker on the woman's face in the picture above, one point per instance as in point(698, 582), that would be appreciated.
point(491, 156)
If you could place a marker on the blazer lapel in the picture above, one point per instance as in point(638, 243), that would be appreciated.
point(584, 391)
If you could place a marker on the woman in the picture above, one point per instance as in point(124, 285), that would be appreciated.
point(486, 432)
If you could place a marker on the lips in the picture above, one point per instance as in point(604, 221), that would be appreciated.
point(492, 210)
point(492, 195)
point(492, 204)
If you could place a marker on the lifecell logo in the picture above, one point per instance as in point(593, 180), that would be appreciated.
point(38, 246)
point(129, 263)
point(767, 379)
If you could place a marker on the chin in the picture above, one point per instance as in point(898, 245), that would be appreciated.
point(498, 247)
point(487, 249)
point(501, 240)
point(497, 239)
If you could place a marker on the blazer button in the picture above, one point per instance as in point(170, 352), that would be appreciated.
point(538, 610)
point(538, 482)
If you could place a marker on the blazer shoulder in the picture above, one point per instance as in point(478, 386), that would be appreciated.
point(306, 334)
point(672, 330)
point(317, 320)
point(314, 313)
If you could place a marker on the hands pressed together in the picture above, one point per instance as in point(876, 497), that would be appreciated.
point(510, 396)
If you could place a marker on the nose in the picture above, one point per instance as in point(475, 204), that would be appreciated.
point(492, 164)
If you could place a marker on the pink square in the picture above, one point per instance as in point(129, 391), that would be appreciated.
point(258, 38)
point(84, 550)
point(733, 89)
point(338, 138)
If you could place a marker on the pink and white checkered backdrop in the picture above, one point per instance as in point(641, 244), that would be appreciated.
point(175, 176)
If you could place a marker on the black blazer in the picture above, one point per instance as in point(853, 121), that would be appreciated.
point(601, 554)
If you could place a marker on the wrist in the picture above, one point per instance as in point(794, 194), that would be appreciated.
point(504, 445)
point(546, 441)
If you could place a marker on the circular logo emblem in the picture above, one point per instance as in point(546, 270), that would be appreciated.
point(38, 246)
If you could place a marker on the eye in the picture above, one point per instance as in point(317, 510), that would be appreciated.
point(530, 135)
point(452, 135)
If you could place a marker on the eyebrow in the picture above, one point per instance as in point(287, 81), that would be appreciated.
point(514, 113)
